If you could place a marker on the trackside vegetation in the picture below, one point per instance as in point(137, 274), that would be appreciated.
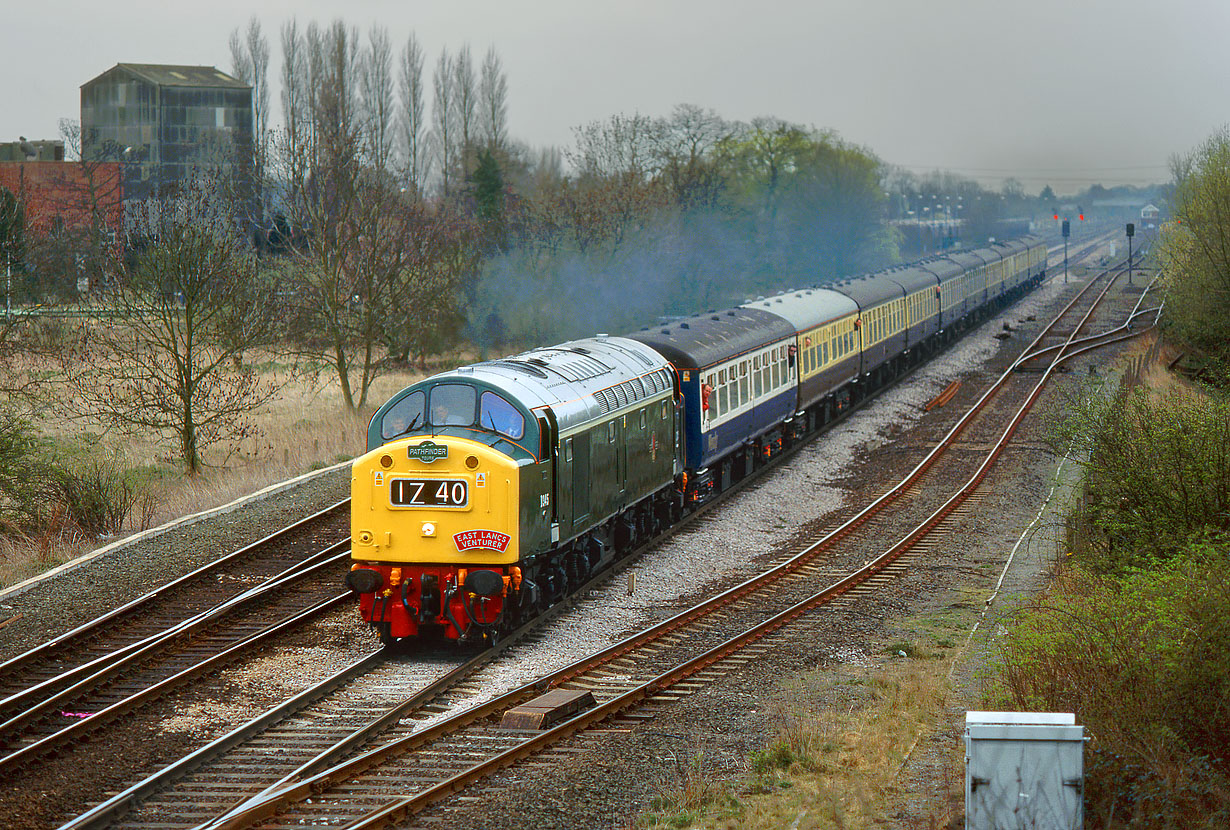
point(1133, 634)
point(1196, 255)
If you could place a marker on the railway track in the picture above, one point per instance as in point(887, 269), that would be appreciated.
point(70, 687)
point(618, 678)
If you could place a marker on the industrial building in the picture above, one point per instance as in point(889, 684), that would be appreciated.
point(163, 123)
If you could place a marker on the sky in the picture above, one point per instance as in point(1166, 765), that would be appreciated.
point(1061, 93)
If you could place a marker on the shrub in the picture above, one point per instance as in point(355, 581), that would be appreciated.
point(1157, 477)
point(96, 495)
point(1195, 253)
point(64, 489)
point(26, 480)
point(1142, 660)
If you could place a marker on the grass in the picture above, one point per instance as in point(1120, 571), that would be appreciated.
point(305, 427)
point(842, 737)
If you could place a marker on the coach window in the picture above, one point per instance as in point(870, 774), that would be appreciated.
point(403, 416)
point(499, 415)
point(743, 386)
point(452, 404)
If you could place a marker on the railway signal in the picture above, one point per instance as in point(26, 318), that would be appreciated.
point(1067, 231)
point(1131, 231)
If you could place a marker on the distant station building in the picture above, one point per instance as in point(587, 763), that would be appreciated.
point(1150, 216)
point(162, 123)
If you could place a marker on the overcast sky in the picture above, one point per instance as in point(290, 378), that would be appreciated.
point(1067, 93)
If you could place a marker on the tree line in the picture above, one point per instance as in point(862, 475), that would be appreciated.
point(391, 216)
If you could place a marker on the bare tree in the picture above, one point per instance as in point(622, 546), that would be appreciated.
point(684, 144)
point(493, 95)
point(438, 266)
point(250, 64)
point(465, 102)
point(615, 189)
point(295, 114)
point(87, 193)
point(621, 146)
point(350, 227)
point(168, 359)
point(443, 117)
point(413, 114)
point(377, 94)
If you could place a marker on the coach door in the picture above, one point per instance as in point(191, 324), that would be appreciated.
point(621, 453)
point(549, 435)
point(580, 477)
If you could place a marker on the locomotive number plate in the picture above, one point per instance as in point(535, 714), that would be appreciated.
point(435, 492)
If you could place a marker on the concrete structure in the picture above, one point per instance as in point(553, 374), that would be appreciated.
point(165, 122)
point(25, 150)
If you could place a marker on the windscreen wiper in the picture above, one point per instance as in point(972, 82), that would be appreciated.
point(410, 428)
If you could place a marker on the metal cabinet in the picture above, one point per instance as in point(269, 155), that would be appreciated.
point(1023, 770)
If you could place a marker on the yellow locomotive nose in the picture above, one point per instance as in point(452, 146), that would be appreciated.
point(439, 500)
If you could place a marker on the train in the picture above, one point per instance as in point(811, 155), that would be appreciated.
point(490, 492)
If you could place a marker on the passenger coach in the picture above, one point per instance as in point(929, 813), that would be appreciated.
point(737, 375)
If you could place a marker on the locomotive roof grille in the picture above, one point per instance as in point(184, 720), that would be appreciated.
point(631, 391)
point(521, 366)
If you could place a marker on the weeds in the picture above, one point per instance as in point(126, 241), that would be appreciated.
point(1132, 635)
point(694, 793)
point(1157, 477)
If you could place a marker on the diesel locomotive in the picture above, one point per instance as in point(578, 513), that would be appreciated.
point(490, 492)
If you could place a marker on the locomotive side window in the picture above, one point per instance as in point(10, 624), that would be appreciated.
point(404, 416)
point(664, 410)
point(567, 449)
point(610, 432)
point(642, 419)
point(452, 404)
point(495, 413)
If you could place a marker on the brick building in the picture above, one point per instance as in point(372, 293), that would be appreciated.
point(59, 196)
point(74, 223)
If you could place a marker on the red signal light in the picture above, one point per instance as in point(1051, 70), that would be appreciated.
point(1082, 217)
point(1056, 217)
